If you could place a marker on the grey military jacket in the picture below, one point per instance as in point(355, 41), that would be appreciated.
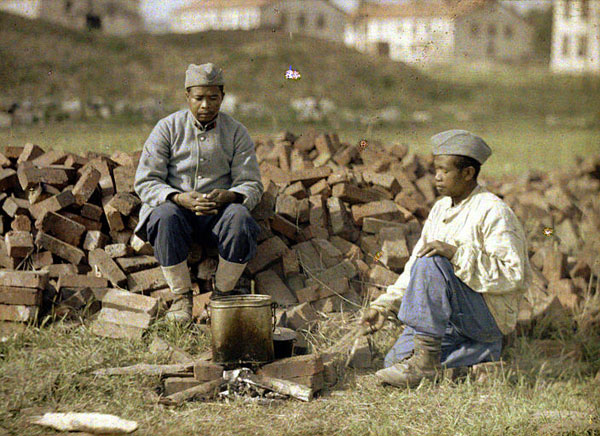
point(179, 157)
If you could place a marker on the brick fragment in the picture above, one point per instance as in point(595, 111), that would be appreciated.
point(565, 291)
point(87, 223)
point(309, 177)
point(306, 141)
point(121, 237)
point(374, 225)
point(114, 218)
point(125, 318)
point(118, 250)
point(61, 227)
point(29, 177)
point(56, 270)
point(146, 280)
point(4, 161)
point(86, 185)
point(286, 228)
point(109, 329)
point(108, 268)
point(296, 190)
point(52, 204)
point(266, 207)
point(178, 384)
point(75, 161)
point(15, 206)
point(353, 194)
point(555, 265)
point(125, 203)
point(300, 316)
point(290, 263)
point(124, 178)
point(272, 173)
point(81, 281)
point(41, 259)
point(395, 254)
point(12, 151)
point(386, 181)
point(363, 357)
point(18, 244)
point(308, 256)
point(382, 276)
point(321, 188)
point(328, 252)
point(59, 248)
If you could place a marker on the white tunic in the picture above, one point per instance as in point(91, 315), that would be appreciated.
point(491, 258)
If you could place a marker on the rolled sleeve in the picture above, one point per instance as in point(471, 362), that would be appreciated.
point(245, 173)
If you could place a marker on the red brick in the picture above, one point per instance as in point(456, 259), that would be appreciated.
point(89, 224)
point(13, 152)
point(178, 384)
point(321, 188)
point(290, 263)
point(81, 281)
point(121, 237)
point(31, 176)
point(419, 209)
point(51, 157)
point(328, 253)
point(18, 244)
point(329, 285)
point(21, 223)
point(299, 317)
point(114, 218)
point(18, 313)
point(352, 194)
point(267, 253)
point(386, 181)
point(125, 318)
point(91, 211)
point(293, 367)
point(108, 268)
point(340, 220)
point(296, 190)
point(345, 156)
point(310, 176)
point(25, 279)
point(146, 280)
point(95, 239)
point(118, 250)
point(565, 291)
point(20, 296)
point(124, 178)
point(286, 228)
point(86, 185)
point(109, 329)
point(272, 173)
point(15, 206)
point(318, 214)
point(207, 371)
point(395, 254)
point(555, 265)
point(125, 203)
point(269, 283)
point(59, 248)
point(61, 227)
point(306, 141)
point(373, 225)
point(52, 204)
point(124, 159)
point(266, 207)
point(56, 270)
point(75, 161)
point(4, 161)
point(382, 276)
point(138, 263)
point(308, 256)
point(199, 303)
point(385, 209)
point(41, 259)
point(123, 300)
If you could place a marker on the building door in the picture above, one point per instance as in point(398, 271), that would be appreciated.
point(93, 22)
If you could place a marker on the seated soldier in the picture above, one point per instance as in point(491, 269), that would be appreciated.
point(198, 179)
point(460, 290)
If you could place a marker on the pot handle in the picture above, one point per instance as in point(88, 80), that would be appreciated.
point(274, 306)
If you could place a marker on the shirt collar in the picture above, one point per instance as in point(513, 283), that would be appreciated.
point(475, 190)
point(204, 127)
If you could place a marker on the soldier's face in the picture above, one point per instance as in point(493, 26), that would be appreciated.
point(204, 101)
point(449, 179)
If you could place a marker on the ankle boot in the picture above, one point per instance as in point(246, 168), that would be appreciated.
point(180, 284)
point(224, 281)
point(423, 364)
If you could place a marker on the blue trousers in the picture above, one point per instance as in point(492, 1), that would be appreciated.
point(439, 304)
point(171, 230)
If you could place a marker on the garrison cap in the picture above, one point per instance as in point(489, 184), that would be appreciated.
point(203, 75)
point(460, 142)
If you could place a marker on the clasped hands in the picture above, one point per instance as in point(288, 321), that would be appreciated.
point(205, 204)
point(373, 318)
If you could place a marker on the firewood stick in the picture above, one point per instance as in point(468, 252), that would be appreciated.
point(147, 369)
point(283, 387)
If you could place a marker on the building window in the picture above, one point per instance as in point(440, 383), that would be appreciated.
point(582, 47)
point(474, 29)
point(565, 46)
point(301, 20)
point(508, 32)
point(492, 30)
point(321, 22)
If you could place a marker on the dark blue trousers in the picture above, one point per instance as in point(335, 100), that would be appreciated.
point(172, 229)
point(439, 304)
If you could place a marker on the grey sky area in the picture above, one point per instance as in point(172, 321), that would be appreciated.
point(158, 10)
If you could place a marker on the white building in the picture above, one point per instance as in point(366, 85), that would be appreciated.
point(438, 31)
point(25, 8)
point(576, 36)
point(205, 15)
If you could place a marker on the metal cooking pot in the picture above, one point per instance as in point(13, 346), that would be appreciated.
point(242, 329)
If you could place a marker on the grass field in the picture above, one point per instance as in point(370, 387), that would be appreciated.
point(49, 369)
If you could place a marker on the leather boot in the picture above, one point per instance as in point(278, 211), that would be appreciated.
point(180, 284)
point(423, 364)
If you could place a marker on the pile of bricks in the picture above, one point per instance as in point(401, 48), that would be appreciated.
point(338, 224)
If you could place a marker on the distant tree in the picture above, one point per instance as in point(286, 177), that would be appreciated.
point(542, 22)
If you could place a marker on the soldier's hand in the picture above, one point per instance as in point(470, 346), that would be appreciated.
point(372, 320)
point(437, 248)
point(196, 202)
point(222, 197)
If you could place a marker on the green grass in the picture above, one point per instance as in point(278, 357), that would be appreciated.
point(50, 369)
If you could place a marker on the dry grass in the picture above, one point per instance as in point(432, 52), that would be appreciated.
point(50, 369)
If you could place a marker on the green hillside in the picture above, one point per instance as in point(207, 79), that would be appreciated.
point(40, 59)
